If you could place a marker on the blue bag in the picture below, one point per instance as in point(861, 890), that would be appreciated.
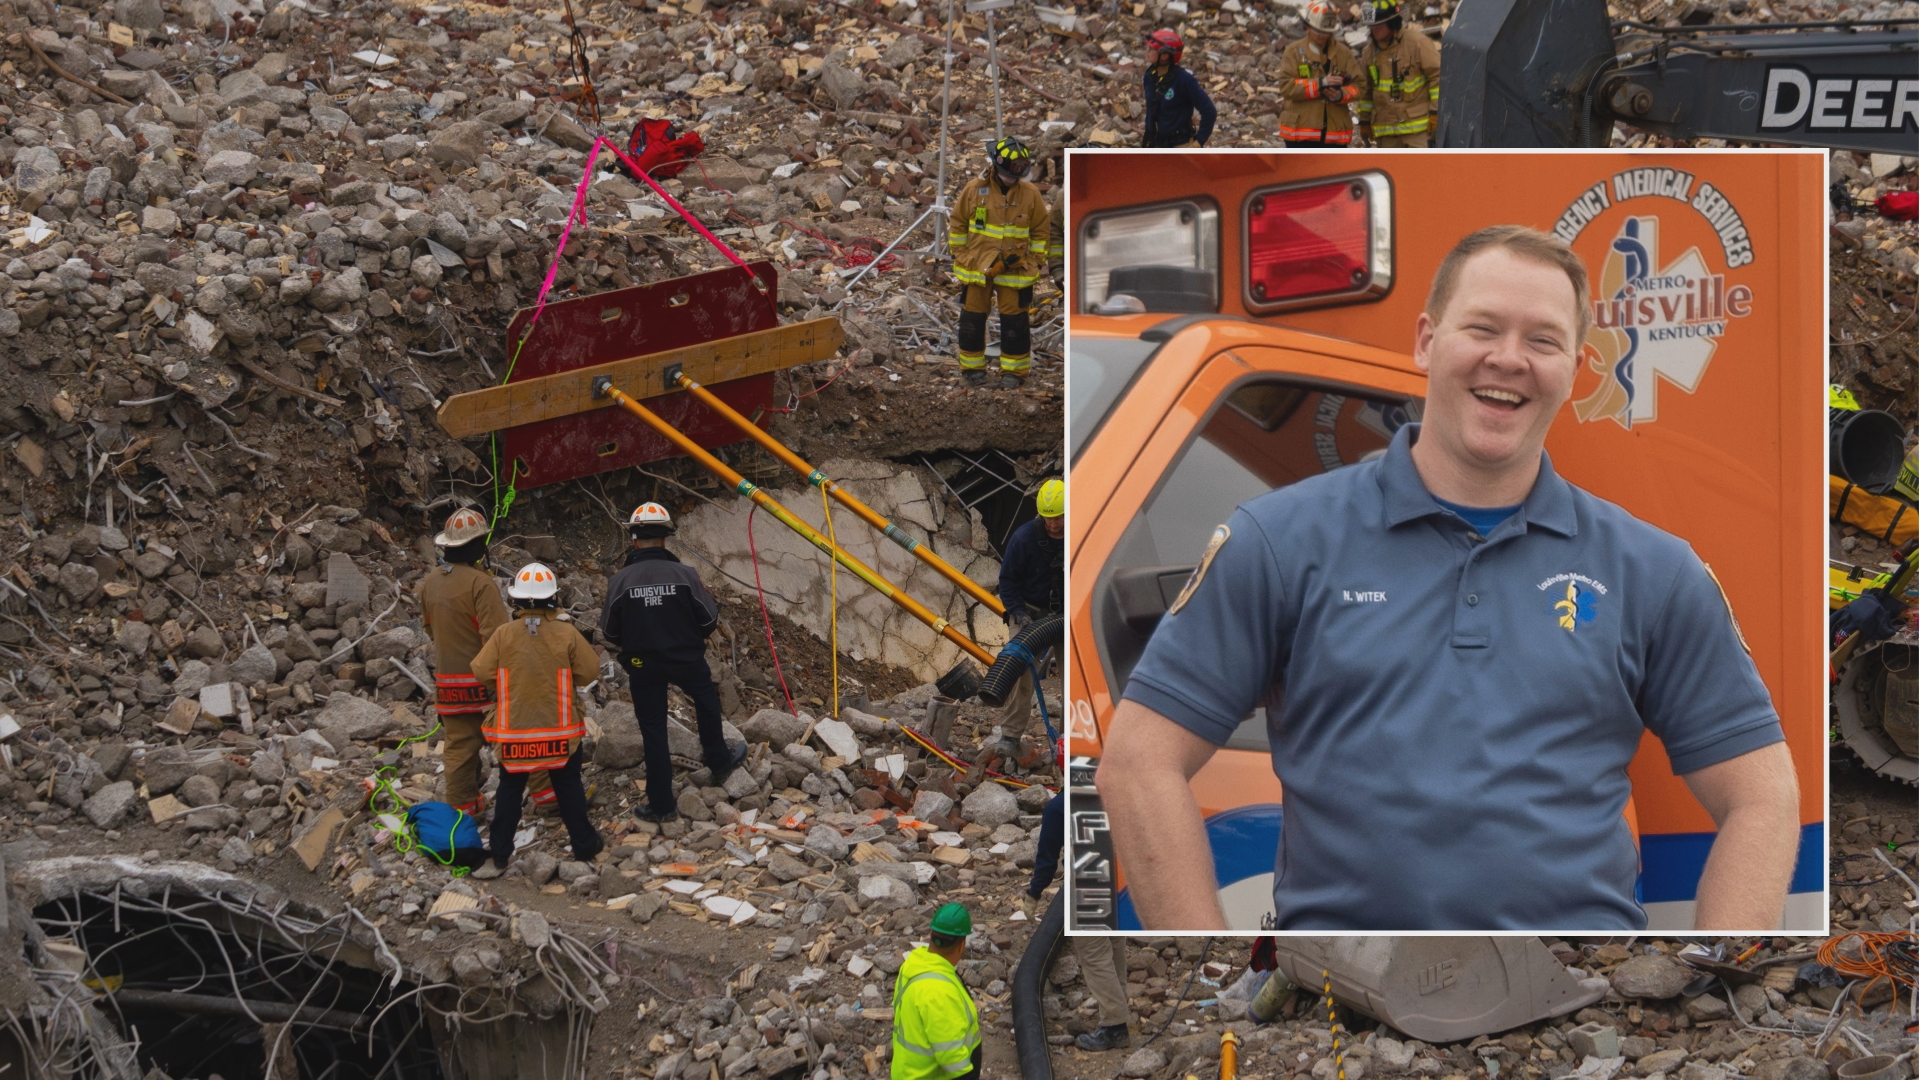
point(449, 835)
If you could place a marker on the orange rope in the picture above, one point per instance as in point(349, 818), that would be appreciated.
point(1876, 957)
point(957, 763)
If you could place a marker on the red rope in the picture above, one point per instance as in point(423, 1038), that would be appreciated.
point(796, 399)
point(764, 617)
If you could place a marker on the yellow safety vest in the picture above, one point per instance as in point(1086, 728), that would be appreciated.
point(935, 1026)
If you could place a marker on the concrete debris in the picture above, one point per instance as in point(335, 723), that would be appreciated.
point(1653, 976)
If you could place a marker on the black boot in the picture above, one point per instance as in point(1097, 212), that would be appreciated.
point(737, 755)
point(1106, 1038)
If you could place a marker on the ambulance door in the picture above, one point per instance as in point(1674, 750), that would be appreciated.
point(1256, 418)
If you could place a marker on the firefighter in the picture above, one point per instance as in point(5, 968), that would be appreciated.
point(1321, 76)
point(461, 607)
point(936, 1029)
point(534, 664)
point(1403, 72)
point(658, 616)
point(998, 234)
point(1173, 96)
point(1033, 582)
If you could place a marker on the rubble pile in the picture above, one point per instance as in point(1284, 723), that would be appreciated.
point(1644, 1028)
point(249, 253)
point(1872, 300)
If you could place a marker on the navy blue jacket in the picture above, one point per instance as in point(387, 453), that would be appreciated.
point(1034, 573)
point(1171, 103)
point(658, 610)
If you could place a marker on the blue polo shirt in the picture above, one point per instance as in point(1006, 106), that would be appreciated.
point(1452, 716)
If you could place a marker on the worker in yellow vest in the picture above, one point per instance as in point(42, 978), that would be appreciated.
point(936, 1029)
point(1403, 69)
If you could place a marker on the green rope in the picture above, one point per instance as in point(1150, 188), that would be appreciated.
point(384, 784)
point(502, 506)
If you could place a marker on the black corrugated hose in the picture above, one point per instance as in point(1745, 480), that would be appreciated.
point(1029, 1015)
point(1018, 655)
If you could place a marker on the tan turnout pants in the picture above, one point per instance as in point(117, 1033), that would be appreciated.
point(1103, 963)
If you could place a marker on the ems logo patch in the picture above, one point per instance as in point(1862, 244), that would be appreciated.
point(1220, 535)
point(1576, 607)
point(1576, 599)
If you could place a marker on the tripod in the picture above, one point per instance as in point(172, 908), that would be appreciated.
point(939, 206)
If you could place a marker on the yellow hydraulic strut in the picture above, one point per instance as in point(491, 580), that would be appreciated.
point(603, 387)
point(924, 552)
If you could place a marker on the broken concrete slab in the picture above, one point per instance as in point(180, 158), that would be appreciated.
point(346, 583)
point(109, 806)
point(348, 719)
point(839, 738)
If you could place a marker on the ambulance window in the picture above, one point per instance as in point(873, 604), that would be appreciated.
point(1100, 370)
point(1265, 435)
point(1268, 434)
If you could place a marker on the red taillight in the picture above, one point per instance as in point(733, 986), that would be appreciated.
point(1318, 242)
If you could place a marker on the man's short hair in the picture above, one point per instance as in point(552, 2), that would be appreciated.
point(946, 941)
point(1528, 244)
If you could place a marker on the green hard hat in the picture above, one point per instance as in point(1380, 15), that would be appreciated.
point(953, 921)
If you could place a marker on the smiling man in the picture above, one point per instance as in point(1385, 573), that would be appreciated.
point(1458, 652)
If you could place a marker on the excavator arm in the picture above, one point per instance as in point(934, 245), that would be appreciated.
point(1557, 73)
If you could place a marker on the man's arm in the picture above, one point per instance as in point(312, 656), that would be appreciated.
point(1015, 564)
point(706, 610)
point(1208, 114)
point(1755, 802)
point(1159, 836)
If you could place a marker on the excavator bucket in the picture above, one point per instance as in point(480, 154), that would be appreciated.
point(1439, 989)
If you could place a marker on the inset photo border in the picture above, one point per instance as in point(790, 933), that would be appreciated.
point(1309, 691)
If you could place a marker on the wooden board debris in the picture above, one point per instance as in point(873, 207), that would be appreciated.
point(571, 392)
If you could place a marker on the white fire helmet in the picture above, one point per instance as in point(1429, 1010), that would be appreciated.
point(465, 526)
point(534, 582)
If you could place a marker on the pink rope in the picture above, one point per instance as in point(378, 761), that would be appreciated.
point(579, 213)
point(634, 167)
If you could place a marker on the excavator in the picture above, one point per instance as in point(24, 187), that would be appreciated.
point(1560, 73)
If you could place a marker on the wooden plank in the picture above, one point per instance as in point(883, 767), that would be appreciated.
point(571, 392)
